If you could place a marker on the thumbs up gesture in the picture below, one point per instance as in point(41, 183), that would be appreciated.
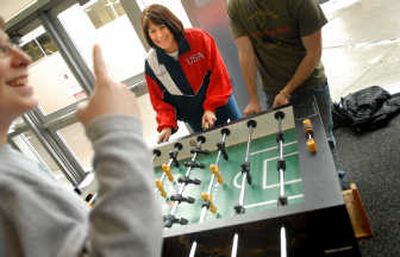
point(108, 97)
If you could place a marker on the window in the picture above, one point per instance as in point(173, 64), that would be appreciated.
point(112, 30)
point(76, 140)
point(38, 44)
point(30, 146)
point(46, 43)
point(55, 85)
point(99, 21)
point(103, 11)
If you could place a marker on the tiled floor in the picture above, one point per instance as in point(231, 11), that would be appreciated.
point(362, 45)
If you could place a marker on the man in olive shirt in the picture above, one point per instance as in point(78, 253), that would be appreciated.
point(282, 40)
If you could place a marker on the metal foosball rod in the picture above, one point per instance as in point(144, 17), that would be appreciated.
point(281, 164)
point(283, 242)
point(239, 208)
point(184, 181)
point(166, 168)
point(159, 184)
point(206, 196)
point(281, 167)
point(245, 168)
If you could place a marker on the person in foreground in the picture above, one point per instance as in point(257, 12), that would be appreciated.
point(186, 76)
point(40, 218)
point(282, 40)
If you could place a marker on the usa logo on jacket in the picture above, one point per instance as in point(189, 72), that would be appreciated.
point(194, 58)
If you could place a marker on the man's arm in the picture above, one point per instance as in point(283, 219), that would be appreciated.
point(313, 45)
point(247, 61)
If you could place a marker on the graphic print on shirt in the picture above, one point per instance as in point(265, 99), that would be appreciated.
point(195, 58)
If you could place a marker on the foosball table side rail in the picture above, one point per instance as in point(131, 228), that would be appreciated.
point(312, 233)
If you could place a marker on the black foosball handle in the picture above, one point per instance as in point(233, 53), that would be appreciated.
point(239, 209)
point(282, 201)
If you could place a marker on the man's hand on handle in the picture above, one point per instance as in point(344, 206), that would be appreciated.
point(281, 99)
point(253, 107)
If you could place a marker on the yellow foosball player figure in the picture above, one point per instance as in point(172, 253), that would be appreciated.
point(308, 131)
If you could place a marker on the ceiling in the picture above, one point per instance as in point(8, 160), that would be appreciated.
point(10, 8)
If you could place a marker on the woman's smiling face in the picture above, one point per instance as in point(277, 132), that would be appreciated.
point(162, 37)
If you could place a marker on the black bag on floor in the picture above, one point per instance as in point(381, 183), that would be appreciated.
point(365, 110)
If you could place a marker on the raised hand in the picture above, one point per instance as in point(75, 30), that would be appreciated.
point(108, 97)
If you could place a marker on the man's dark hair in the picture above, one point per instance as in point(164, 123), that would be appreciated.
point(160, 15)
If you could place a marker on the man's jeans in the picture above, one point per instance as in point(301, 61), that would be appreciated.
point(307, 101)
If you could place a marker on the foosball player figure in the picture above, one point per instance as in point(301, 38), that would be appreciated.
point(160, 186)
point(208, 202)
point(166, 167)
point(170, 220)
point(308, 131)
point(215, 170)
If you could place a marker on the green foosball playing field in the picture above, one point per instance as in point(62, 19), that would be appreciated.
point(263, 192)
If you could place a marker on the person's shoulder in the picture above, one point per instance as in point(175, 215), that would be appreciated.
point(196, 34)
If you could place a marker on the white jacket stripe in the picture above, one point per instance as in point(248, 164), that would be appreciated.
point(162, 73)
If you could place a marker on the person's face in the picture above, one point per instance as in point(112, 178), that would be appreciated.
point(16, 96)
point(162, 37)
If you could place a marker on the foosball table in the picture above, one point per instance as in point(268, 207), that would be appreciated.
point(262, 186)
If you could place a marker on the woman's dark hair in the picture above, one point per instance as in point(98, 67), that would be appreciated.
point(160, 15)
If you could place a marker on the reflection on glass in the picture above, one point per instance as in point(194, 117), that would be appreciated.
point(105, 23)
point(76, 140)
point(34, 51)
point(19, 122)
point(55, 85)
point(47, 44)
point(38, 44)
point(30, 146)
point(103, 11)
